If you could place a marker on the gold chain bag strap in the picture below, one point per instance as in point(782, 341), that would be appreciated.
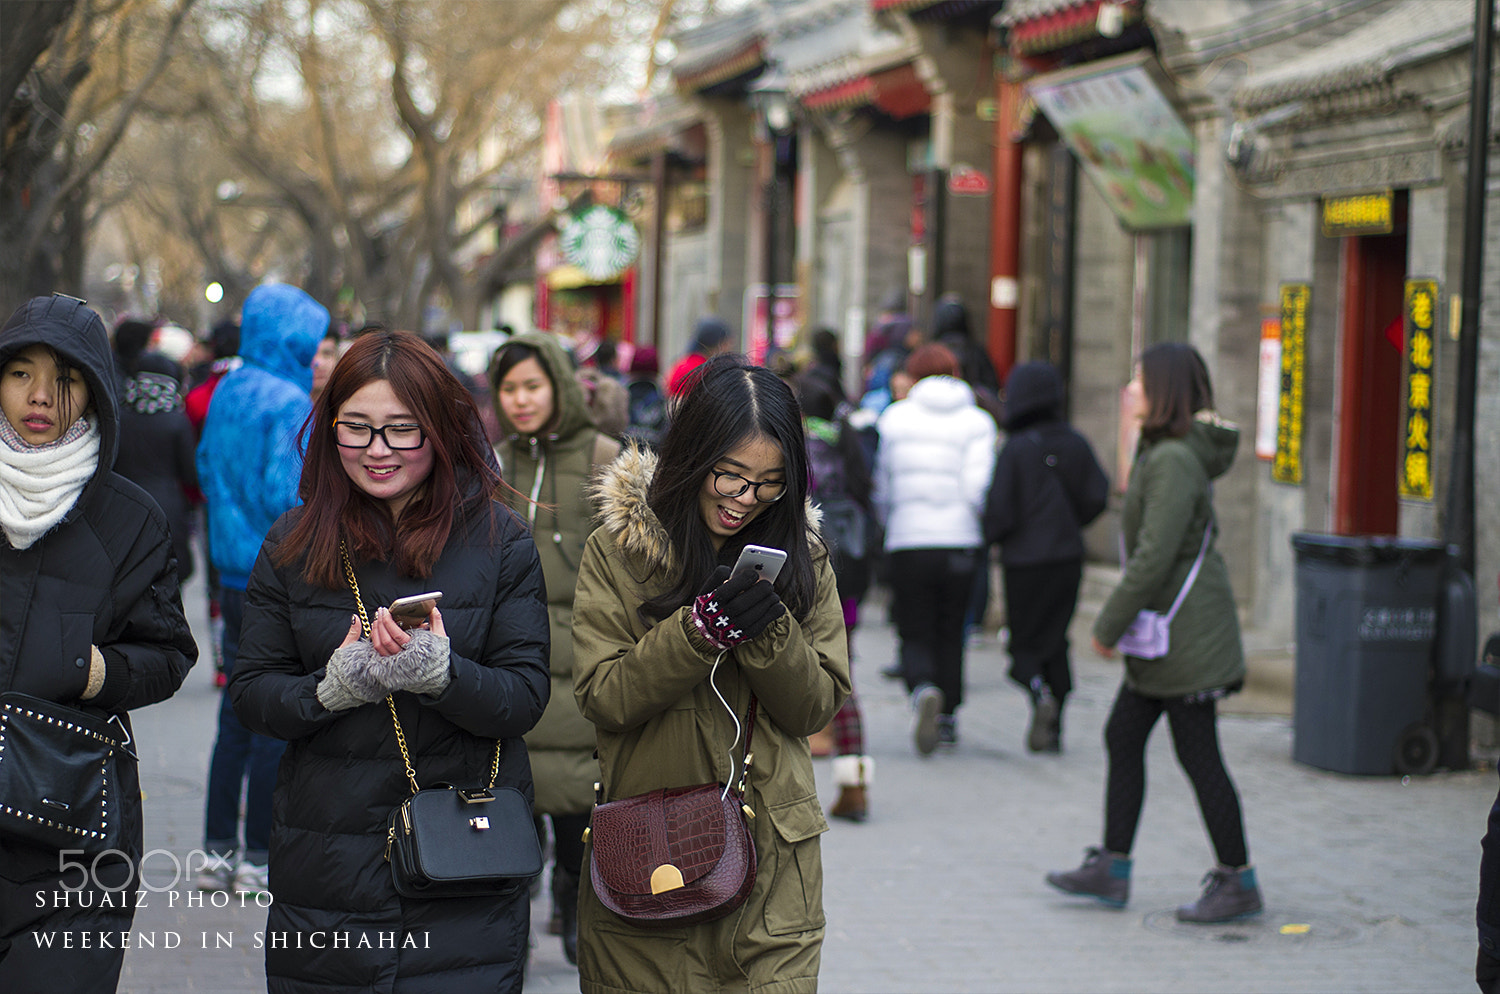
point(448, 841)
point(676, 856)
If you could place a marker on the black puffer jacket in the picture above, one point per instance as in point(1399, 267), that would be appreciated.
point(104, 577)
point(342, 773)
point(1048, 484)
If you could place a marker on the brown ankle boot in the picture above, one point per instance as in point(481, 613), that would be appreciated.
point(853, 775)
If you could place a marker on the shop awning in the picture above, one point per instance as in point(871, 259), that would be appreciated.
point(570, 277)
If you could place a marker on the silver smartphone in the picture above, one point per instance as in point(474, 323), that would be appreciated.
point(764, 560)
point(412, 612)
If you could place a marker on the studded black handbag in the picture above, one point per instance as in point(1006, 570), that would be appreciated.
point(59, 774)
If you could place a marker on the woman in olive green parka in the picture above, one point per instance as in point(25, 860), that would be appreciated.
point(732, 471)
point(549, 452)
point(1168, 524)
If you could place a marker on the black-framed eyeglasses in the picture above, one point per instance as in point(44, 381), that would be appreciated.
point(732, 485)
point(358, 435)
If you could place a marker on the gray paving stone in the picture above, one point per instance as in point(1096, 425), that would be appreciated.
point(941, 890)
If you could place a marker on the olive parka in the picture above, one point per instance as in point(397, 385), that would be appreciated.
point(104, 576)
point(342, 773)
point(555, 464)
point(646, 689)
point(1168, 505)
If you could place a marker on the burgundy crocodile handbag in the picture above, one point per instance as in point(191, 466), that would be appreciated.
point(675, 856)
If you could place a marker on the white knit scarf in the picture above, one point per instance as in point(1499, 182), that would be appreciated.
point(39, 484)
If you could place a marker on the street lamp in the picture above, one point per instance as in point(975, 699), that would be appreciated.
point(768, 97)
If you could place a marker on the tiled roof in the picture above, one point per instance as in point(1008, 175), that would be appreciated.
point(657, 125)
point(825, 44)
point(721, 48)
point(1410, 33)
point(1037, 26)
point(1025, 10)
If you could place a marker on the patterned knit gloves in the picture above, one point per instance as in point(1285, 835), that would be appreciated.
point(735, 610)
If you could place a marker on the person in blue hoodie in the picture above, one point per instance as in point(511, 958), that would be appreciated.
point(249, 465)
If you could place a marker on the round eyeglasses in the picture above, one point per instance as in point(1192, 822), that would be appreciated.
point(358, 435)
point(729, 484)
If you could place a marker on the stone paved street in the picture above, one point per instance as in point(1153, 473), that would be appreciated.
point(941, 890)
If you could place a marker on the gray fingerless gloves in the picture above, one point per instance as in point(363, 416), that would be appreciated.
point(357, 674)
point(347, 682)
point(420, 667)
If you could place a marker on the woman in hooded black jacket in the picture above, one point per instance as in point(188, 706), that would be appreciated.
point(92, 618)
point(395, 473)
point(1048, 486)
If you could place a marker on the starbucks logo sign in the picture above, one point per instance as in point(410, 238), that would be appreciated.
point(601, 241)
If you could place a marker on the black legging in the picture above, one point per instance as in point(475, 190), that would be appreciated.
point(1195, 736)
point(567, 839)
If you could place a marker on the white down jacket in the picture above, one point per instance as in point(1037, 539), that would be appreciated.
point(933, 466)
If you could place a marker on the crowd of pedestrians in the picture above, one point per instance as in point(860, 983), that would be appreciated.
point(579, 516)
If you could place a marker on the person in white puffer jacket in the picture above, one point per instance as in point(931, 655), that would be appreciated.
point(932, 471)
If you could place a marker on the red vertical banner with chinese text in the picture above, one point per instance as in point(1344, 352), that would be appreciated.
point(1286, 467)
point(1420, 309)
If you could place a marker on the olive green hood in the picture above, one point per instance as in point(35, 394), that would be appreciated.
point(571, 414)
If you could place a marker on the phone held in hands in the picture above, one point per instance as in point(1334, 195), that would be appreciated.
point(412, 612)
point(766, 561)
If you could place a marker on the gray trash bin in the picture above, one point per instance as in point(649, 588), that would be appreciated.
point(1366, 620)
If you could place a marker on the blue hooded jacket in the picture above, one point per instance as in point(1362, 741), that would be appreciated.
point(249, 463)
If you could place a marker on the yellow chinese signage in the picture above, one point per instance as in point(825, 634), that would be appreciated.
point(1286, 467)
point(1360, 214)
point(1416, 436)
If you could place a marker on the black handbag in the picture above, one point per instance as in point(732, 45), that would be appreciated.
point(448, 841)
point(59, 774)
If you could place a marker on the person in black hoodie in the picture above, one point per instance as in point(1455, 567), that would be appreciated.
point(157, 445)
point(93, 619)
point(398, 487)
point(1048, 485)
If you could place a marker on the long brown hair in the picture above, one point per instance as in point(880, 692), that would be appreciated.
point(462, 478)
point(1175, 382)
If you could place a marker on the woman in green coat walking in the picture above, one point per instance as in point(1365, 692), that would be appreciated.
point(1168, 526)
point(549, 451)
point(667, 689)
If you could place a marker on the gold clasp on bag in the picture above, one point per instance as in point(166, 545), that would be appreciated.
point(479, 824)
point(664, 878)
point(475, 795)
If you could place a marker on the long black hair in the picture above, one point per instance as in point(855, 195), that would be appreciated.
point(731, 403)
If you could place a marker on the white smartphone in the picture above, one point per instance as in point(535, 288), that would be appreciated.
point(765, 560)
point(412, 612)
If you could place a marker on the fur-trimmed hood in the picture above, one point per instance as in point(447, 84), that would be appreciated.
point(620, 494)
